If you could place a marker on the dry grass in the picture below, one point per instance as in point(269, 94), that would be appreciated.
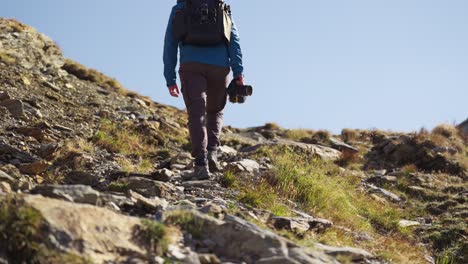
point(95, 76)
point(78, 146)
point(271, 126)
point(121, 138)
point(298, 134)
point(349, 135)
point(141, 166)
point(7, 58)
point(444, 135)
point(446, 130)
point(17, 26)
point(322, 135)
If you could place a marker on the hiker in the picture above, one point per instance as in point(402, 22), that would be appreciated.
point(209, 46)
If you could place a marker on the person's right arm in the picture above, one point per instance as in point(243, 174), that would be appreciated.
point(170, 55)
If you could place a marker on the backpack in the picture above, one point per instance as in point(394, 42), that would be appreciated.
point(203, 23)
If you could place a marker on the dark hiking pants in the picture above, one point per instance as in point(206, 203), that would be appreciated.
point(204, 91)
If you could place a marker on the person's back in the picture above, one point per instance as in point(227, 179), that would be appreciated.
point(204, 74)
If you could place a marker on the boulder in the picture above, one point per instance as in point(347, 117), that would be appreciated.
point(150, 188)
point(354, 254)
point(71, 193)
point(8, 153)
point(299, 225)
point(239, 240)
point(147, 204)
point(96, 233)
point(163, 175)
point(341, 146)
point(245, 165)
point(320, 151)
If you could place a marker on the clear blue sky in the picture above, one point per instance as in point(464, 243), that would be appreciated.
point(388, 64)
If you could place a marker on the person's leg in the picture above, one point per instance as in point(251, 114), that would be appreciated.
point(216, 101)
point(194, 87)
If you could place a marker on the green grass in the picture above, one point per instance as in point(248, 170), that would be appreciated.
point(186, 221)
point(320, 189)
point(229, 180)
point(156, 235)
point(118, 186)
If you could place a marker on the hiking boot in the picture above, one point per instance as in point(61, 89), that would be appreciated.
point(199, 173)
point(213, 161)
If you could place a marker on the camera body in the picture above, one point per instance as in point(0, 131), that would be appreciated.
point(238, 93)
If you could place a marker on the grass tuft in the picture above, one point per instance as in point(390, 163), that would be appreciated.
point(120, 138)
point(186, 221)
point(6, 58)
point(298, 134)
point(83, 73)
point(118, 186)
point(157, 235)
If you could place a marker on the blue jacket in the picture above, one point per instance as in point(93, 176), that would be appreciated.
point(220, 55)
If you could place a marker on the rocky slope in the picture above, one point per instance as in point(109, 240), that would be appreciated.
point(92, 173)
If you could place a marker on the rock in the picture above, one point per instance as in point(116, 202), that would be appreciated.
point(71, 193)
point(355, 254)
point(296, 225)
point(5, 187)
point(205, 184)
point(35, 132)
point(81, 177)
point(34, 168)
point(402, 150)
point(209, 259)
point(213, 210)
point(4, 177)
point(150, 188)
point(245, 165)
point(463, 126)
point(15, 107)
point(227, 150)
point(381, 180)
point(322, 152)
point(387, 194)
point(4, 96)
point(147, 204)
point(341, 146)
point(102, 235)
point(162, 175)
point(8, 153)
point(63, 128)
point(408, 223)
point(300, 225)
point(240, 240)
point(181, 161)
point(380, 173)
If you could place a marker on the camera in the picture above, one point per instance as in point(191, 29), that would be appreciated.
point(238, 93)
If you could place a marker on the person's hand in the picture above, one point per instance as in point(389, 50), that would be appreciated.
point(174, 90)
point(239, 80)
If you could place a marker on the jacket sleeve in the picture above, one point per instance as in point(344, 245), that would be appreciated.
point(235, 52)
point(170, 53)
